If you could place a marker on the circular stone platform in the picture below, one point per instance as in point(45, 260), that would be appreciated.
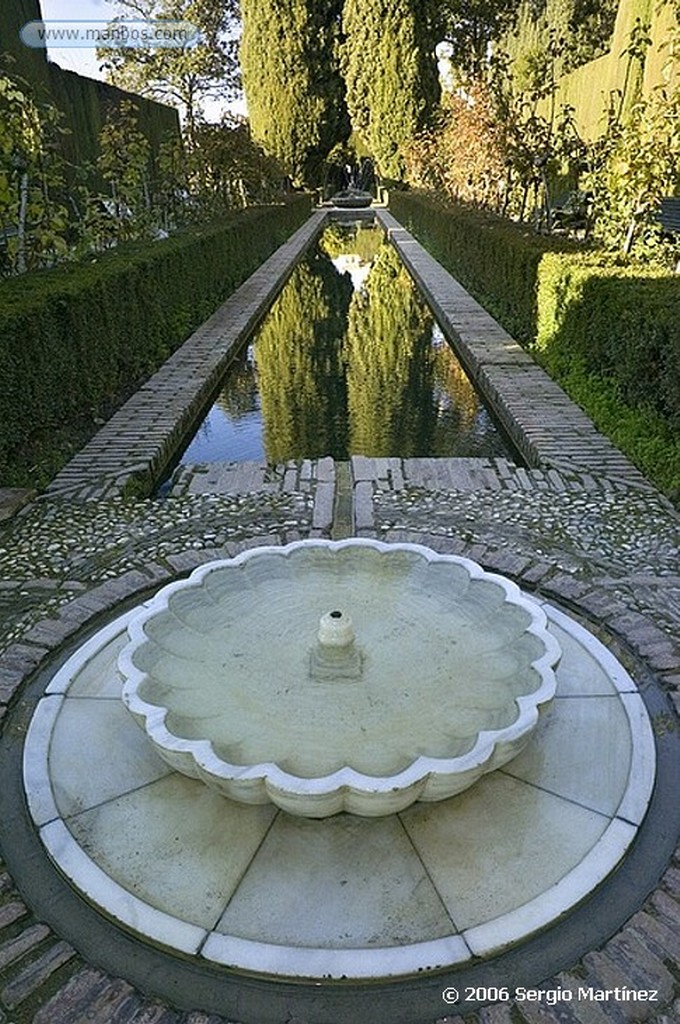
point(345, 897)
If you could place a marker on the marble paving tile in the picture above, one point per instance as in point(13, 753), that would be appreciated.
point(581, 750)
point(100, 676)
point(499, 845)
point(344, 881)
point(175, 845)
point(102, 890)
point(579, 674)
point(97, 752)
point(587, 667)
point(487, 939)
point(91, 670)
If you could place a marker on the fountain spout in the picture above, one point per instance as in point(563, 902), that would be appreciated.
point(335, 655)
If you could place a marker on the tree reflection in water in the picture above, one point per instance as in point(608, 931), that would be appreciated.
point(300, 365)
point(389, 368)
point(350, 361)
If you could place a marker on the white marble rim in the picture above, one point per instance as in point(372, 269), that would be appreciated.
point(114, 900)
point(336, 964)
point(36, 773)
point(428, 778)
point(483, 940)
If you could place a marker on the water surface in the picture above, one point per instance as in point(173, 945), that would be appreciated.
point(349, 361)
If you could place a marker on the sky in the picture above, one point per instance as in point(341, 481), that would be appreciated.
point(76, 59)
point(84, 61)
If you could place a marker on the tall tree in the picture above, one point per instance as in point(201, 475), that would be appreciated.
point(291, 78)
point(185, 76)
point(390, 71)
point(471, 27)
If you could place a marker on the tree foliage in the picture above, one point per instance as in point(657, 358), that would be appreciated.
point(50, 211)
point(390, 71)
point(465, 155)
point(226, 169)
point(184, 76)
point(33, 211)
point(124, 164)
point(292, 82)
point(635, 164)
point(496, 147)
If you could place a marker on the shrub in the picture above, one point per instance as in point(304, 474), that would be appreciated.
point(619, 321)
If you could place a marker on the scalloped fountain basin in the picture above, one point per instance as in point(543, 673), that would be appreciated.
point(339, 676)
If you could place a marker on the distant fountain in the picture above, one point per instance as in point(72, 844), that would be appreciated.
point(352, 199)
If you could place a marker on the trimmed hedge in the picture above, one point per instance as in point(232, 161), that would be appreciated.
point(75, 338)
point(619, 322)
point(495, 259)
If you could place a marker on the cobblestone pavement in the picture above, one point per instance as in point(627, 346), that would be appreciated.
point(605, 551)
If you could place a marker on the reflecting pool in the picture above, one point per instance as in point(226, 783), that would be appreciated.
point(349, 361)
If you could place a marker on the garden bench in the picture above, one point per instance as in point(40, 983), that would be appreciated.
point(570, 212)
point(669, 215)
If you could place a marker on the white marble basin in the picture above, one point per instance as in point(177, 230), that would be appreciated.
point(339, 676)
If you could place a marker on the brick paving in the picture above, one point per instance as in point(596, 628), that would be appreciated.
point(578, 526)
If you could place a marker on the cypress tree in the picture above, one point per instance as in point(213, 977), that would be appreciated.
point(292, 83)
point(390, 72)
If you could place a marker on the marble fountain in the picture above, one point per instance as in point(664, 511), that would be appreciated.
point(237, 681)
point(338, 761)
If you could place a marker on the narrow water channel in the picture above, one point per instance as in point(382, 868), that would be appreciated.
point(349, 361)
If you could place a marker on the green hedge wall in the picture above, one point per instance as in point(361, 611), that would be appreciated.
point(619, 322)
point(74, 338)
point(496, 260)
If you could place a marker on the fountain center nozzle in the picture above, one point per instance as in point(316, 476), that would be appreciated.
point(335, 629)
point(335, 655)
